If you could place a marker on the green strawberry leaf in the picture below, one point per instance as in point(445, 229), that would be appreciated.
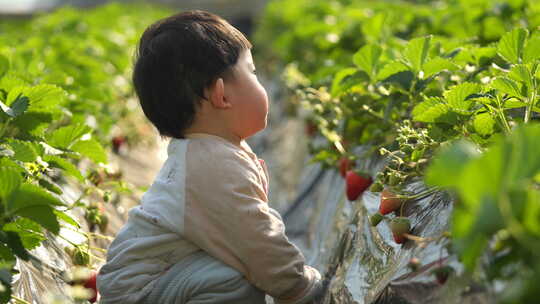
point(9, 81)
point(34, 123)
point(28, 196)
point(511, 45)
point(437, 65)
point(24, 151)
point(13, 240)
point(9, 163)
point(432, 110)
point(17, 108)
point(66, 218)
point(522, 73)
point(91, 149)
point(64, 137)
point(64, 164)
point(449, 162)
point(43, 215)
point(532, 50)
point(417, 52)
point(30, 232)
point(458, 96)
point(4, 65)
point(391, 68)
point(506, 86)
point(344, 79)
point(10, 181)
point(42, 96)
point(367, 59)
point(532, 212)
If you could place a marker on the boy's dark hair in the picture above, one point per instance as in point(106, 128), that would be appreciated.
point(177, 58)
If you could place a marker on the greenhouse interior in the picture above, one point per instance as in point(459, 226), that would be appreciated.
point(384, 151)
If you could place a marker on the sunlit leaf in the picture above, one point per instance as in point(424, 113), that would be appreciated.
point(417, 51)
point(367, 58)
point(437, 65)
point(10, 180)
point(432, 110)
point(42, 215)
point(4, 65)
point(24, 151)
point(41, 96)
point(511, 45)
point(30, 232)
point(64, 137)
point(521, 72)
point(91, 149)
point(67, 218)
point(449, 163)
point(390, 69)
point(506, 86)
point(532, 50)
point(64, 164)
point(458, 96)
point(29, 195)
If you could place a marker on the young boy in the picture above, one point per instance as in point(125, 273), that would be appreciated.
point(204, 232)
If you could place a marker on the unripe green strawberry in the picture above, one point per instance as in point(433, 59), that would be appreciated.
point(92, 218)
point(103, 223)
point(399, 226)
point(107, 196)
point(80, 256)
point(375, 219)
point(394, 179)
point(376, 187)
point(95, 177)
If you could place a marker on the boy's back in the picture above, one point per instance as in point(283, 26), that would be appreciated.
point(209, 195)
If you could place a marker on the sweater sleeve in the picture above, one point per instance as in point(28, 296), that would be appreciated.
point(228, 216)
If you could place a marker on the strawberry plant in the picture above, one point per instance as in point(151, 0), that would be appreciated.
point(62, 76)
point(446, 94)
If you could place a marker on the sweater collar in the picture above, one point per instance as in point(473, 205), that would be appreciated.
point(243, 144)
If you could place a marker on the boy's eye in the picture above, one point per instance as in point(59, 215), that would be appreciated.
point(254, 71)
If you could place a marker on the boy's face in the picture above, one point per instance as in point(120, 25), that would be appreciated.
point(248, 96)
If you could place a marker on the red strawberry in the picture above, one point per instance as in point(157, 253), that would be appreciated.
point(311, 129)
point(344, 165)
point(399, 226)
point(356, 184)
point(389, 202)
point(90, 283)
point(117, 142)
point(442, 273)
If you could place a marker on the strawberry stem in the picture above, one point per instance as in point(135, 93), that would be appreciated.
point(423, 239)
point(419, 195)
point(416, 196)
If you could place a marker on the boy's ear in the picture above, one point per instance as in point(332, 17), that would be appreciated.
point(216, 95)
